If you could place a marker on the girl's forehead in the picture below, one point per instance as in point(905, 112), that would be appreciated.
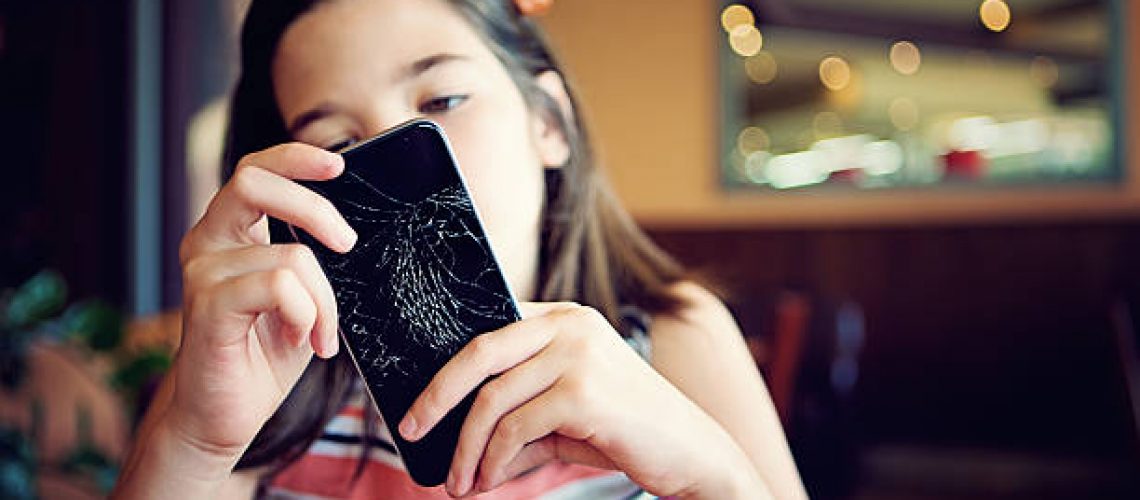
point(383, 30)
point(346, 43)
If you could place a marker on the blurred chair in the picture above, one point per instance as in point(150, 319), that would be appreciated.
point(811, 359)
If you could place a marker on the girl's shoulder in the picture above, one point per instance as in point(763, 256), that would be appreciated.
point(697, 306)
point(701, 318)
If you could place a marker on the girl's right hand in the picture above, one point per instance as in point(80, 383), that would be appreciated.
point(253, 312)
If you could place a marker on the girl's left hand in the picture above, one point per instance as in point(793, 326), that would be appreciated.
point(567, 387)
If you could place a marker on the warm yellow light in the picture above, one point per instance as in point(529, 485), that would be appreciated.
point(905, 57)
point(904, 113)
point(834, 73)
point(746, 40)
point(751, 140)
point(761, 68)
point(1044, 71)
point(995, 15)
point(735, 15)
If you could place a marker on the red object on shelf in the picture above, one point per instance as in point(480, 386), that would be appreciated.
point(964, 164)
point(847, 175)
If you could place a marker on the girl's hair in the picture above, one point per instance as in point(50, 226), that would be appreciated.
point(591, 253)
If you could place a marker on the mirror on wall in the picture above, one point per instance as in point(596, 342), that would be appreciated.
point(881, 94)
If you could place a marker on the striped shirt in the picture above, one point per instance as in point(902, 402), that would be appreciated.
point(327, 468)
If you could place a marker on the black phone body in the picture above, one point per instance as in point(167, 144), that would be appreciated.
point(421, 282)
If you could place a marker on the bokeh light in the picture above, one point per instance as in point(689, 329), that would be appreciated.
point(746, 40)
point(995, 15)
point(754, 166)
point(834, 72)
point(905, 57)
point(761, 68)
point(752, 139)
point(734, 16)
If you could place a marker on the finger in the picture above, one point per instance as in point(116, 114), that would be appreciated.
point(495, 399)
point(532, 309)
point(253, 193)
point(296, 160)
point(486, 355)
point(232, 306)
point(293, 160)
point(531, 456)
point(544, 415)
point(219, 266)
point(555, 447)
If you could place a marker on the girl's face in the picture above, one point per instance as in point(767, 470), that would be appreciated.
point(349, 69)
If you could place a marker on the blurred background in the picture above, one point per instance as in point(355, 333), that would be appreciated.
point(924, 213)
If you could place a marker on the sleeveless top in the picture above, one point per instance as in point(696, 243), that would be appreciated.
point(327, 468)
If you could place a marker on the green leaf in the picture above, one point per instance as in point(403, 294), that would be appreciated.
point(140, 370)
point(37, 300)
point(95, 323)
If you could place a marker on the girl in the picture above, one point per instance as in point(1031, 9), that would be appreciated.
point(247, 410)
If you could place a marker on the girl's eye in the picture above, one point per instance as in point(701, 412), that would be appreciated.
point(442, 104)
point(337, 146)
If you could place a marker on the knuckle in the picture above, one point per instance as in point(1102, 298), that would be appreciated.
point(186, 247)
point(251, 158)
point(490, 395)
point(245, 181)
point(296, 255)
point(561, 307)
point(245, 161)
point(588, 315)
point(510, 429)
point(193, 271)
point(578, 390)
point(280, 282)
point(567, 314)
point(480, 349)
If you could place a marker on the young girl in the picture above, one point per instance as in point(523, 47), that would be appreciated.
point(247, 410)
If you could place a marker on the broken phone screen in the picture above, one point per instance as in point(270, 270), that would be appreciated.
point(420, 283)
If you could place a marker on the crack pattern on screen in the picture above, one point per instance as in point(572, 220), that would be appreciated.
point(418, 283)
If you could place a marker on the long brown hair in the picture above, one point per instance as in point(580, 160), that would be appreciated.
point(592, 252)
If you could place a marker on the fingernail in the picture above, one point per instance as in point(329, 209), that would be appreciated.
point(331, 345)
point(462, 488)
point(450, 486)
point(408, 428)
point(337, 162)
point(348, 238)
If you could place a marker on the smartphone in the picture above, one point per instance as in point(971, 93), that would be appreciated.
point(421, 282)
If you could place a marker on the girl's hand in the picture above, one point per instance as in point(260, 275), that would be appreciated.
point(568, 387)
point(254, 313)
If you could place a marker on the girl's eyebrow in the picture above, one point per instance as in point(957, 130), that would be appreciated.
point(422, 65)
point(413, 70)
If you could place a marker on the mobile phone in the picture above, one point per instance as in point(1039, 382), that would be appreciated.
point(421, 282)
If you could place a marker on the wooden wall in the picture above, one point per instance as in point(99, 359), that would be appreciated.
point(995, 336)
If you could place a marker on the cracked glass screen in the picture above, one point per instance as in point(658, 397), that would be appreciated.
point(421, 281)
